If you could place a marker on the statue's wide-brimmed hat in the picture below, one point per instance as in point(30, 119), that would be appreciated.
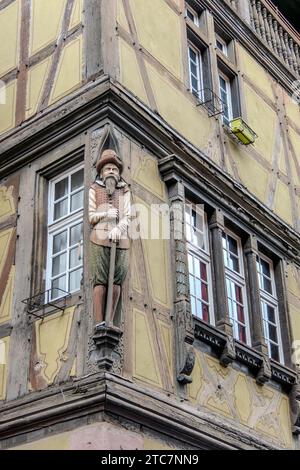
point(109, 156)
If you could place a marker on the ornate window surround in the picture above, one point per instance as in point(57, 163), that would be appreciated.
point(183, 185)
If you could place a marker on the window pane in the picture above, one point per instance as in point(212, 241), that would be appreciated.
point(193, 55)
point(198, 240)
point(198, 288)
point(273, 333)
point(233, 247)
point(267, 285)
point(190, 15)
point(274, 352)
point(60, 209)
point(242, 334)
point(77, 201)
point(234, 263)
point(197, 267)
point(77, 180)
point(192, 286)
point(59, 264)
point(191, 263)
point(76, 234)
point(238, 294)
point(75, 257)
point(74, 280)
point(203, 272)
point(58, 287)
point(240, 312)
point(61, 189)
point(265, 268)
point(219, 45)
point(270, 313)
point(205, 313)
point(204, 292)
point(59, 242)
point(193, 304)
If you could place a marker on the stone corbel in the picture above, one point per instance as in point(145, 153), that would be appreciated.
point(265, 372)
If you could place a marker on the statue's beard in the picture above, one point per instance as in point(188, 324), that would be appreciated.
point(110, 184)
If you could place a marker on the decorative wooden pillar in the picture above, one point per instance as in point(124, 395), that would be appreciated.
point(184, 326)
point(216, 226)
point(256, 322)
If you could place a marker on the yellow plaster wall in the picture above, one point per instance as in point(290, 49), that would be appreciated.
point(234, 395)
point(255, 72)
point(130, 74)
point(7, 205)
point(36, 81)
point(7, 299)
point(159, 32)
point(69, 72)
point(145, 365)
point(179, 111)
point(52, 339)
point(8, 108)
point(46, 23)
point(76, 16)
point(263, 120)
point(4, 346)
point(9, 37)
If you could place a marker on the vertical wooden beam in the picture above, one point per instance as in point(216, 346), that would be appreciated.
point(109, 39)
point(56, 56)
point(23, 62)
point(19, 353)
point(93, 41)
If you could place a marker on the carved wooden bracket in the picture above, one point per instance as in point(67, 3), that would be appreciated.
point(106, 340)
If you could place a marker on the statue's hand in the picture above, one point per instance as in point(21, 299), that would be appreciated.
point(112, 214)
point(115, 234)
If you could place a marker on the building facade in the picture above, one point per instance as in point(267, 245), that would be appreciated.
point(199, 99)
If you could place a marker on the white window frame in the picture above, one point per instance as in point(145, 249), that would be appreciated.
point(199, 68)
point(196, 19)
point(203, 255)
point(223, 43)
point(272, 301)
point(57, 226)
point(240, 280)
point(228, 94)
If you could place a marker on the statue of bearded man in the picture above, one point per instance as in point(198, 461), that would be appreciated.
point(109, 215)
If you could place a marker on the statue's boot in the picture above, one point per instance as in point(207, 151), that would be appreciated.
point(99, 297)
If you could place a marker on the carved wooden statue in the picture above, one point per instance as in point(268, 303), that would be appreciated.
point(109, 215)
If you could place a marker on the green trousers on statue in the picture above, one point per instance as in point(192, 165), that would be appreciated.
point(100, 256)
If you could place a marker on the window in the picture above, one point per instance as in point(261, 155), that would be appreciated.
point(195, 70)
point(65, 234)
point(199, 263)
point(225, 95)
point(192, 15)
point(235, 287)
point(221, 45)
point(269, 307)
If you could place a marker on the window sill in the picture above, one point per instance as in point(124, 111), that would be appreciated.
point(244, 354)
